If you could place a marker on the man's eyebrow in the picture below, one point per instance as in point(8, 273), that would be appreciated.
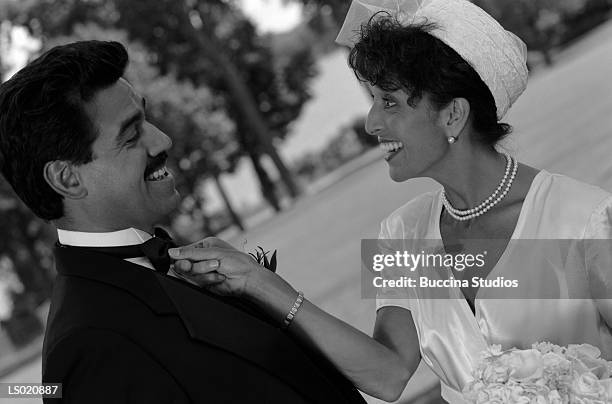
point(138, 116)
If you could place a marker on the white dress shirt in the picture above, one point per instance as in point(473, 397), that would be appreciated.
point(129, 236)
point(124, 237)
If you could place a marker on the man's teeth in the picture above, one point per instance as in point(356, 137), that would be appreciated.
point(158, 175)
point(390, 147)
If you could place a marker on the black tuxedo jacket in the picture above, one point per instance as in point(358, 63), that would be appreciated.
point(121, 333)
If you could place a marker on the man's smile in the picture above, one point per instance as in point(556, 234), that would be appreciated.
point(156, 169)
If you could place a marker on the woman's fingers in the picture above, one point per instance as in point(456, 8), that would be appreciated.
point(227, 270)
point(204, 267)
point(193, 253)
point(189, 268)
point(209, 242)
point(182, 266)
point(208, 279)
point(203, 273)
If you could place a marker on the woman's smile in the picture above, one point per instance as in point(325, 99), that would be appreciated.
point(390, 148)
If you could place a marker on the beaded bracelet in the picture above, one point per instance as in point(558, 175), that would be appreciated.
point(294, 310)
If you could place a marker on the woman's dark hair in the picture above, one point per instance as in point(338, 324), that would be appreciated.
point(392, 57)
point(42, 116)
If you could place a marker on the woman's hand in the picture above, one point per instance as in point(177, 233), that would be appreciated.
point(375, 368)
point(216, 265)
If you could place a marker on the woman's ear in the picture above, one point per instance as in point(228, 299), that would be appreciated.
point(64, 178)
point(455, 116)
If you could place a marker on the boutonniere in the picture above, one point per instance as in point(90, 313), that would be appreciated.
point(261, 257)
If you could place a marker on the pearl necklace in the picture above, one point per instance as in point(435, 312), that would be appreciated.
point(491, 201)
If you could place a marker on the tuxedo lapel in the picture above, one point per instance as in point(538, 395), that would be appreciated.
point(222, 322)
point(250, 338)
point(137, 280)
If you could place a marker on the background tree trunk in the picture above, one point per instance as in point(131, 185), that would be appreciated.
point(228, 204)
point(247, 106)
point(268, 188)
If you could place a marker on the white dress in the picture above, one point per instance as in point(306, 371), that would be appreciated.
point(451, 336)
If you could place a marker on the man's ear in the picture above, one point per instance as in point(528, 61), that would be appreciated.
point(454, 117)
point(64, 179)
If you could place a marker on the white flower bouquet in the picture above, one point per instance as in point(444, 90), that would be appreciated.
point(544, 374)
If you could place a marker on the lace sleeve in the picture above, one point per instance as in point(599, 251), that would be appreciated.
point(598, 258)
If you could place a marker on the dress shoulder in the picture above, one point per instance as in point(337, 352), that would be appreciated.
point(578, 191)
point(561, 207)
point(413, 219)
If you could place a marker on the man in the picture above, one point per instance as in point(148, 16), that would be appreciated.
point(78, 150)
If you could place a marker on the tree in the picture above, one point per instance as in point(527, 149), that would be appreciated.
point(207, 42)
point(25, 242)
point(325, 12)
point(280, 102)
point(542, 24)
point(220, 47)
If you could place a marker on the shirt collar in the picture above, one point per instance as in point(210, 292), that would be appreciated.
point(130, 236)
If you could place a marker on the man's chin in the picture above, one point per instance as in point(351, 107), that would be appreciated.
point(171, 204)
point(162, 194)
point(160, 210)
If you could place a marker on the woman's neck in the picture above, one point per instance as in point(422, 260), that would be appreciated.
point(471, 175)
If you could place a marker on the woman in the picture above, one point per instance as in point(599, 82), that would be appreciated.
point(442, 75)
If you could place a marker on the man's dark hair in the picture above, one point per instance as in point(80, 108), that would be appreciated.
point(392, 57)
point(43, 117)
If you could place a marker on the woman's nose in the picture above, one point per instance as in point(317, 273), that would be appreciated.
point(373, 124)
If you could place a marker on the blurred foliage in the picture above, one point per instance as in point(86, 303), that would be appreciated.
point(24, 325)
point(324, 12)
point(23, 242)
point(546, 24)
point(205, 42)
point(322, 21)
point(542, 24)
point(25, 250)
point(351, 141)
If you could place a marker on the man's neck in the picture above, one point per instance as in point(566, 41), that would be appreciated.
point(70, 225)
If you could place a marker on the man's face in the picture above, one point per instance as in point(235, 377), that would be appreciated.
point(127, 182)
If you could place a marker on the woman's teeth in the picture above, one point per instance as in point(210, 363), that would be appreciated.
point(390, 148)
point(158, 175)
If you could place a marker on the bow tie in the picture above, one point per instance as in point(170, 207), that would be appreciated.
point(155, 249)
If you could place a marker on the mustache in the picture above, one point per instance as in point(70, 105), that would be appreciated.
point(156, 162)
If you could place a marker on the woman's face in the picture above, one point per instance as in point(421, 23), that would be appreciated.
point(411, 137)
